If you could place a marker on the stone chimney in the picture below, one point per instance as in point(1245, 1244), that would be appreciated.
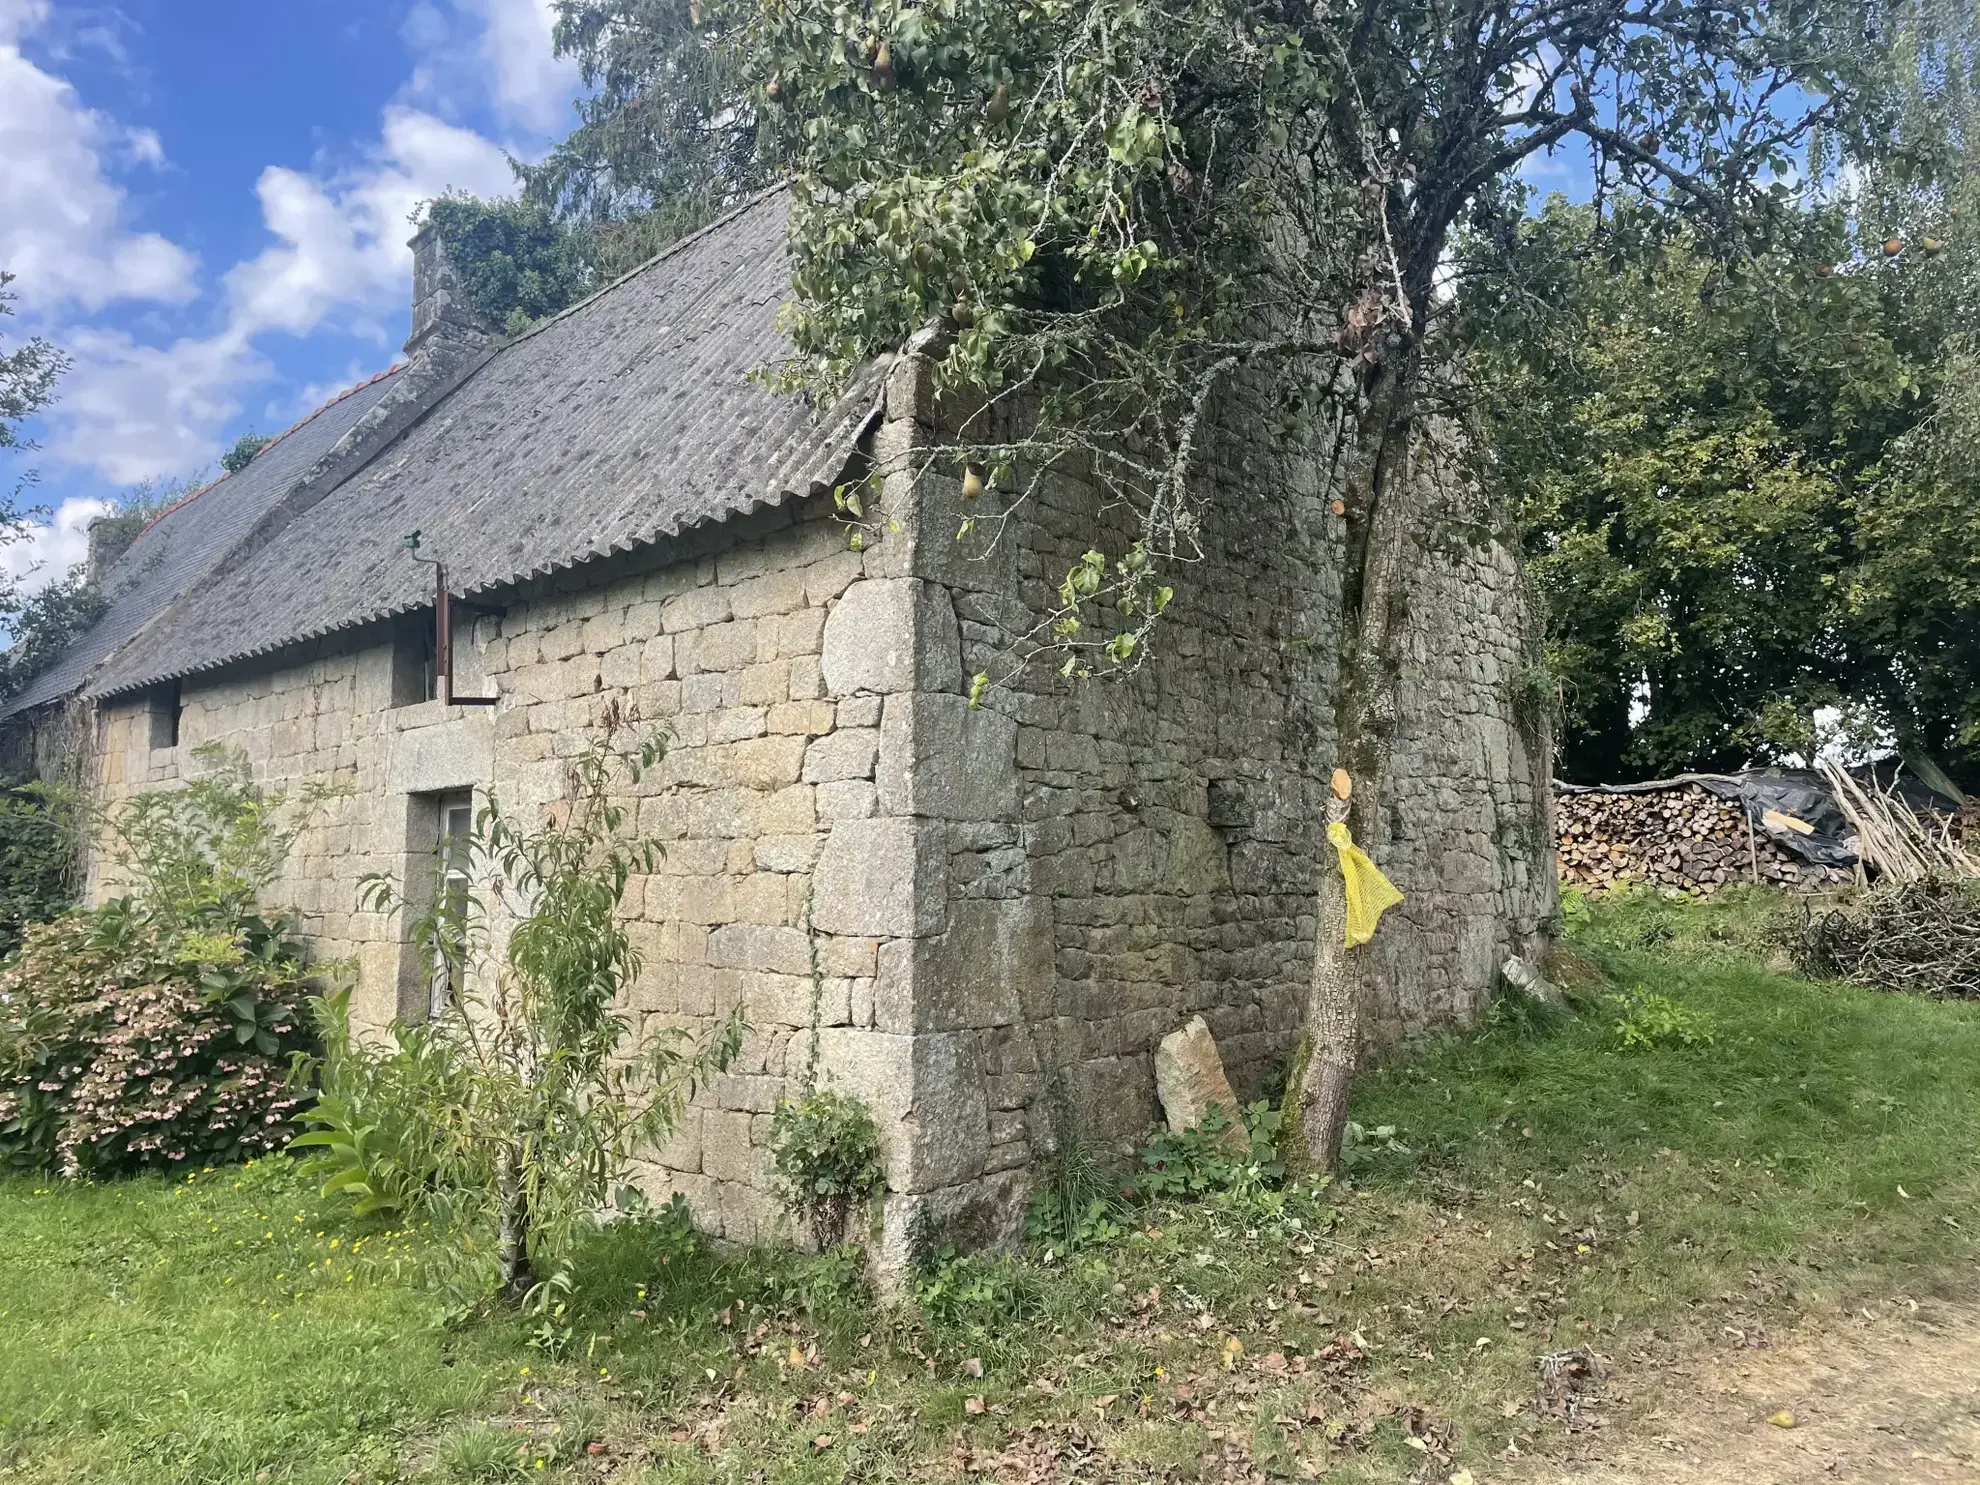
point(447, 342)
point(445, 329)
point(109, 538)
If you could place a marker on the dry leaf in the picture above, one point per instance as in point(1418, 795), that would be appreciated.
point(823, 1441)
point(974, 1366)
point(1782, 1419)
point(974, 1405)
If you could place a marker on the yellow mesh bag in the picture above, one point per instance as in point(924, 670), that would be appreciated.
point(1369, 893)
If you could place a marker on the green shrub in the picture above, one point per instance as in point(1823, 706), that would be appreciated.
point(37, 861)
point(1196, 1162)
point(828, 1157)
point(366, 1140)
point(123, 1046)
point(1657, 1020)
point(975, 1296)
point(1364, 1149)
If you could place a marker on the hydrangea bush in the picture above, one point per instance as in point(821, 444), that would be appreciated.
point(122, 1048)
point(161, 1029)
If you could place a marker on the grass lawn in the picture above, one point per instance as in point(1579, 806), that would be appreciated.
point(1546, 1187)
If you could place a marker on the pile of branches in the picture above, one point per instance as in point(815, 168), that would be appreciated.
point(1921, 936)
point(1901, 842)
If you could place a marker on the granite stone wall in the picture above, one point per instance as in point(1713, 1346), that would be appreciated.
point(720, 643)
point(1078, 867)
point(1008, 906)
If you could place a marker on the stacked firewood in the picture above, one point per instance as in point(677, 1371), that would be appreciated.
point(1683, 836)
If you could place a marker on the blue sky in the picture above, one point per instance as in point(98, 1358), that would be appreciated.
point(206, 204)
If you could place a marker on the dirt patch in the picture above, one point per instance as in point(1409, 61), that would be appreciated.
point(1890, 1394)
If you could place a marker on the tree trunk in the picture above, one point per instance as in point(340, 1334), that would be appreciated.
point(1316, 1106)
point(1383, 509)
point(512, 1230)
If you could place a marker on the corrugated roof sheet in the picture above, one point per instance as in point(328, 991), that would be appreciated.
point(187, 541)
point(628, 418)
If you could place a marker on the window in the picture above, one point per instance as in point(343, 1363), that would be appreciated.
point(165, 711)
point(454, 823)
point(412, 659)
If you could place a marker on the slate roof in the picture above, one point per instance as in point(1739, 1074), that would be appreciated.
point(630, 417)
point(187, 541)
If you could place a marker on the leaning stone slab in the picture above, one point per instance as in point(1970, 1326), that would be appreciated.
point(1526, 980)
point(1189, 1077)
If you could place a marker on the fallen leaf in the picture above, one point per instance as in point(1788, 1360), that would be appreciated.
point(823, 1441)
point(974, 1366)
point(974, 1405)
point(1464, 1477)
point(1782, 1419)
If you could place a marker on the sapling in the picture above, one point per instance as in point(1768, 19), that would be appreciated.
point(528, 1092)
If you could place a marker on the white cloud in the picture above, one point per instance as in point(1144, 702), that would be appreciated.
point(18, 17)
point(138, 405)
point(62, 228)
point(497, 50)
point(531, 85)
point(134, 411)
point(45, 553)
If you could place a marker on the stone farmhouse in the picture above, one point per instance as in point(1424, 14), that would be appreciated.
point(1010, 905)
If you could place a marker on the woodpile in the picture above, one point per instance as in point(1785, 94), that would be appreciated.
point(1683, 836)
